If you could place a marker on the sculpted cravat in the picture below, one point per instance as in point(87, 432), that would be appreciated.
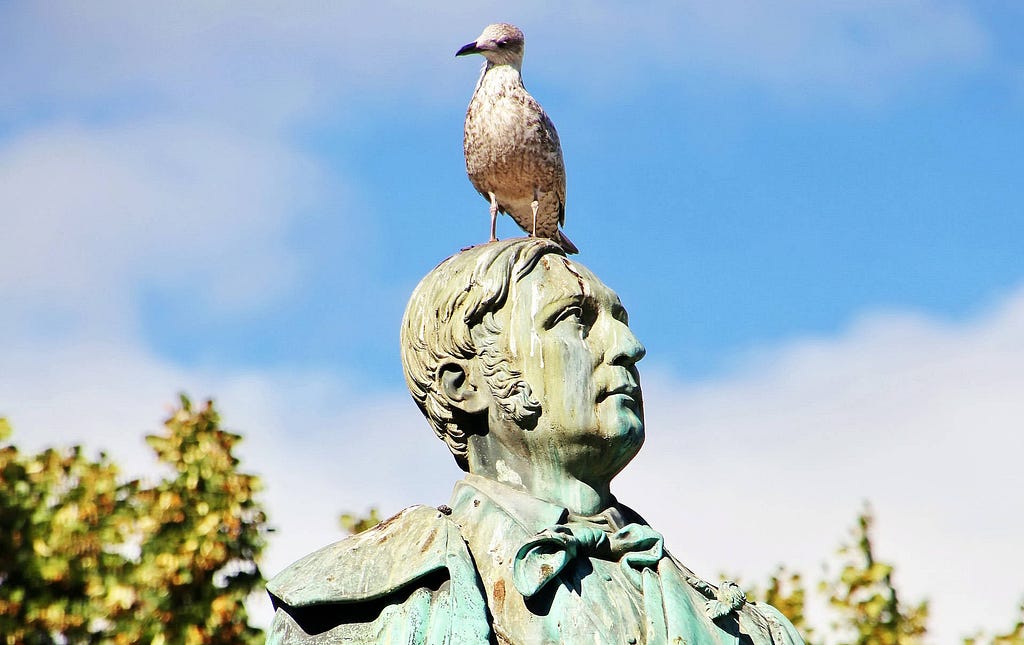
point(635, 546)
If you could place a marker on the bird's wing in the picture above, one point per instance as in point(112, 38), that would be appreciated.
point(557, 161)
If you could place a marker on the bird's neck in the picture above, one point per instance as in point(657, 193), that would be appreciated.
point(499, 75)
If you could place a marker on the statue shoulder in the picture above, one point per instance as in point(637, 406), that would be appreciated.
point(782, 630)
point(412, 574)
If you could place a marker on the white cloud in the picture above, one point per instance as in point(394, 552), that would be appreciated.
point(265, 64)
point(89, 214)
point(860, 51)
point(256, 63)
point(768, 465)
point(922, 418)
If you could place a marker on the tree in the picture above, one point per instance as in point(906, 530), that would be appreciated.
point(786, 592)
point(199, 555)
point(865, 599)
point(866, 606)
point(64, 522)
point(353, 523)
point(88, 558)
point(1013, 637)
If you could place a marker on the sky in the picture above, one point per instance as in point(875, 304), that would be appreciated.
point(812, 211)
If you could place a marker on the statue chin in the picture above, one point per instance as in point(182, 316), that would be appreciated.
point(629, 436)
point(603, 455)
point(628, 446)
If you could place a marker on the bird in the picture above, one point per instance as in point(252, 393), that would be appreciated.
point(513, 155)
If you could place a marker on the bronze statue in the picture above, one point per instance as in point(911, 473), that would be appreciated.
point(524, 364)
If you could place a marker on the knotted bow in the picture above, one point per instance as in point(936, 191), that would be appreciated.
point(635, 546)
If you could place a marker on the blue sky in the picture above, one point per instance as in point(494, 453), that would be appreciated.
point(813, 212)
point(761, 213)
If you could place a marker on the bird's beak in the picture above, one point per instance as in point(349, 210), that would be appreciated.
point(471, 48)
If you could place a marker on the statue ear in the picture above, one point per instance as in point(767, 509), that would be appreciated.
point(460, 384)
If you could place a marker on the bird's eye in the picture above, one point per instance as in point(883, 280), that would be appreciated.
point(502, 43)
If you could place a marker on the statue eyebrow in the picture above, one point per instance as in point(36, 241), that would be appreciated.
point(589, 302)
point(554, 308)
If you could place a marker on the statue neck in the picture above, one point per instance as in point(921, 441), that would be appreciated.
point(540, 478)
point(577, 496)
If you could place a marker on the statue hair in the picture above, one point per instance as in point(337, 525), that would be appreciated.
point(450, 315)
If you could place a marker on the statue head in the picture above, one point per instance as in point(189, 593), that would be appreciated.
point(516, 354)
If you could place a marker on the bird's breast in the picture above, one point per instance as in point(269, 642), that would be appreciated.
point(507, 138)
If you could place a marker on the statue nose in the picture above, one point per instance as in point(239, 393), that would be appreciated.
point(626, 348)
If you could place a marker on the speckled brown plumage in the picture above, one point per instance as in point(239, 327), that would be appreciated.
point(513, 156)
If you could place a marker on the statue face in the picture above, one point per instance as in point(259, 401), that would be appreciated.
point(568, 334)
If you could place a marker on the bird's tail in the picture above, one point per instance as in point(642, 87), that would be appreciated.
point(566, 243)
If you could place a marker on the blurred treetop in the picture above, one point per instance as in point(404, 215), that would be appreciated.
point(86, 557)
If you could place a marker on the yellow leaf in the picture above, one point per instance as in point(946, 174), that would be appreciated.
point(208, 524)
point(41, 548)
point(121, 596)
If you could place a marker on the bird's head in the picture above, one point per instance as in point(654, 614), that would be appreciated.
point(500, 43)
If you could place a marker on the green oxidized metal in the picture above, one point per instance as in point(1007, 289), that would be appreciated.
point(524, 365)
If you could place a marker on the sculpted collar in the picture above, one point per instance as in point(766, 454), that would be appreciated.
point(560, 536)
point(532, 514)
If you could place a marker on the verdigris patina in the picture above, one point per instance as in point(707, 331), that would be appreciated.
point(524, 364)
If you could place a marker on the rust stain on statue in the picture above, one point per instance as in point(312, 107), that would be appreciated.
point(499, 593)
point(429, 541)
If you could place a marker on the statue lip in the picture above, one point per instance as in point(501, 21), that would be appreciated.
point(627, 389)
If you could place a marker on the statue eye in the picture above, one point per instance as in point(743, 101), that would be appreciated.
point(573, 314)
point(619, 313)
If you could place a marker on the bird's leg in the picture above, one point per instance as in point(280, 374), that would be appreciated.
point(494, 217)
point(535, 205)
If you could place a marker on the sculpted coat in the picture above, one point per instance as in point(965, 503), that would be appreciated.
point(524, 364)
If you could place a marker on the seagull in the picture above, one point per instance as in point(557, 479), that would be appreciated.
point(513, 156)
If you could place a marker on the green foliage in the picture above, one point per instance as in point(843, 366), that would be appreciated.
point(865, 600)
point(786, 592)
point(88, 558)
point(62, 519)
point(199, 555)
point(352, 523)
point(865, 606)
point(1013, 637)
